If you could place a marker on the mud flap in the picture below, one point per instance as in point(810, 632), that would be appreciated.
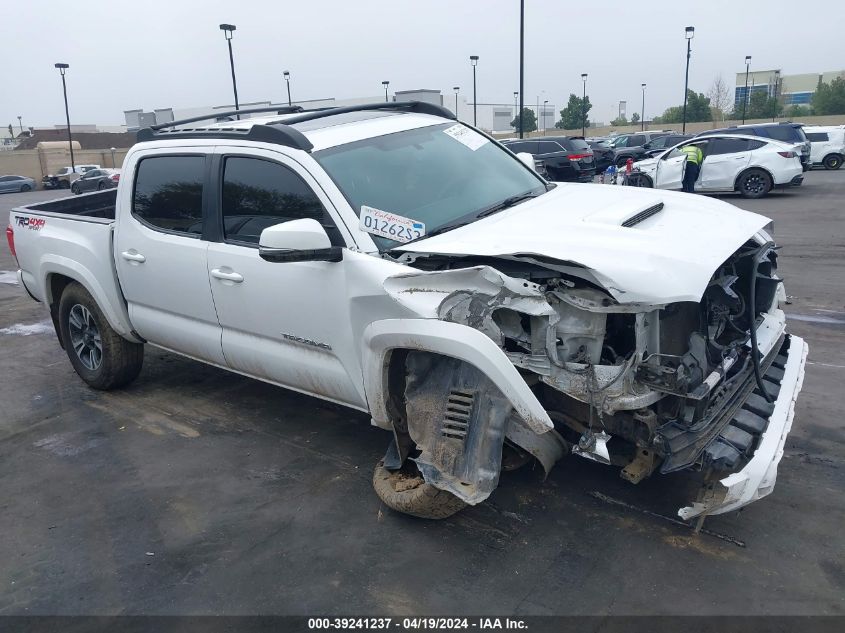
point(458, 420)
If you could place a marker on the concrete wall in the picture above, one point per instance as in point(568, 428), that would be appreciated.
point(38, 163)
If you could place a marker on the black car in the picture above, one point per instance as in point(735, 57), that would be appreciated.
point(785, 131)
point(662, 143)
point(562, 158)
point(631, 146)
point(602, 155)
point(96, 180)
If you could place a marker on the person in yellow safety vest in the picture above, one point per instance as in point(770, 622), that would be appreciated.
point(693, 166)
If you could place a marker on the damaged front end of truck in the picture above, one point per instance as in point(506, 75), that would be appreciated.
point(706, 386)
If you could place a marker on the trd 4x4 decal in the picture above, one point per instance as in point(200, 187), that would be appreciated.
point(34, 224)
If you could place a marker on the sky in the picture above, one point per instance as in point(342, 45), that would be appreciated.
point(156, 54)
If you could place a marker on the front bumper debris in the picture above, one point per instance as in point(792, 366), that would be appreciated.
point(757, 479)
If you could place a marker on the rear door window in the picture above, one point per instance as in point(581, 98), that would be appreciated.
point(726, 146)
point(168, 193)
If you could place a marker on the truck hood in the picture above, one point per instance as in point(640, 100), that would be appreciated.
point(673, 243)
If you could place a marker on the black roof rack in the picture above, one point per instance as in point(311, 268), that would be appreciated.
point(228, 113)
point(280, 132)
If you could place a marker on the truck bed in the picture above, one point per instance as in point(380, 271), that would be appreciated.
point(100, 204)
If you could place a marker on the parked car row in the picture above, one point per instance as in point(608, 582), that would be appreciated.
point(558, 158)
point(63, 178)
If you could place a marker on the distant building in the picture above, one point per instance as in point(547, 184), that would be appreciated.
point(491, 116)
point(790, 89)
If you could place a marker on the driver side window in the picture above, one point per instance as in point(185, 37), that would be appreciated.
point(259, 193)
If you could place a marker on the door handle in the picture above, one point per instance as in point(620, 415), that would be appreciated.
point(133, 257)
point(234, 277)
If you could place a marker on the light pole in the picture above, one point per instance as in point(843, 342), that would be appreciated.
point(456, 89)
point(113, 149)
point(473, 59)
point(689, 33)
point(62, 68)
point(642, 111)
point(385, 84)
point(227, 31)
point(745, 94)
point(544, 116)
point(287, 81)
point(515, 104)
point(521, 62)
point(584, 106)
point(775, 104)
point(20, 125)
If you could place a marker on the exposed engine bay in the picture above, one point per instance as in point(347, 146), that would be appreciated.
point(647, 388)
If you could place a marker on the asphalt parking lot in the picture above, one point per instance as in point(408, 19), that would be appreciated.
point(198, 491)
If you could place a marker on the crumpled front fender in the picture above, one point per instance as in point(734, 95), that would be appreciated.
point(448, 339)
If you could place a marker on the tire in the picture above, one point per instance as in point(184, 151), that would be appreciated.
point(754, 183)
point(622, 161)
point(413, 496)
point(100, 186)
point(75, 190)
point(101, 357)
point(25, 188)
point(832, 161)
point(643, 180)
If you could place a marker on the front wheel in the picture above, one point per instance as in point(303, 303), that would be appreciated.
point(832, 161)
point(406, 491)
point(75, 190)
point(755, 183)
point(101, 357)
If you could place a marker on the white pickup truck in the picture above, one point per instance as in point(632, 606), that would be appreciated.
point(396, 261)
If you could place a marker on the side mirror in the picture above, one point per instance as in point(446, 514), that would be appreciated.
point(526, 158)
point(647, 146)
point(297, 241)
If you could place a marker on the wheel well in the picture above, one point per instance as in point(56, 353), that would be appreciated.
point(56, 284)
point(747, 169)
point(826, 156)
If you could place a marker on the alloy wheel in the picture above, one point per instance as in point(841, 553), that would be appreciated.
point(85, 337)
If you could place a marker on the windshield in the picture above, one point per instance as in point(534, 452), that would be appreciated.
point(428, 175)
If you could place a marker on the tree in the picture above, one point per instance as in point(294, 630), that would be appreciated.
point(830, 98)
point(573, 116)
point(529, 118)
point(762, 106)
point(798, 111)
point(698, 109)
point(619, 121)
point(721, 99)
point(635, 118)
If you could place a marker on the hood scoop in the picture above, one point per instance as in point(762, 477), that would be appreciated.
point(626, 212)
point(643, 215)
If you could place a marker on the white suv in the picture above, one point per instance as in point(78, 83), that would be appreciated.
point(827, 145)
point(751, 165)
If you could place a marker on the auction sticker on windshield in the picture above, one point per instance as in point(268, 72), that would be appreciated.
point(468, 137)
point(389, 225)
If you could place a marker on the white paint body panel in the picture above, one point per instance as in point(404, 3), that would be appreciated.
point(834, 145)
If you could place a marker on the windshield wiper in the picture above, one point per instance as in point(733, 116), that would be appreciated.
point(507, 203)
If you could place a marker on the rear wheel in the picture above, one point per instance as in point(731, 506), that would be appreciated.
point(832, 161)
point(25, 188)
point(755, 183)
point(101, 357)
point(101, 186)
point(406, 491)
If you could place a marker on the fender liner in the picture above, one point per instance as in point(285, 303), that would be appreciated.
point(447, 339)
